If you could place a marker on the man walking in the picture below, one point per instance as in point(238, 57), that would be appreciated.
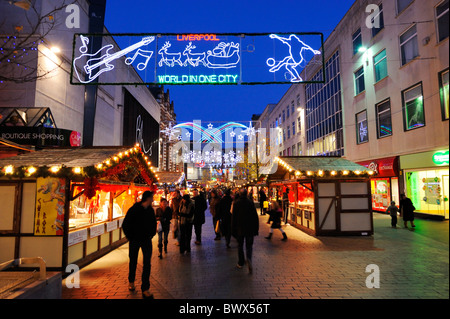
point(199, 215)
point(245, 225)
point(139, 227)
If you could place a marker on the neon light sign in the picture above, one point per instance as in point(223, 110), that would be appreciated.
point(200, 58)
point(441, 158)
point(295, 57)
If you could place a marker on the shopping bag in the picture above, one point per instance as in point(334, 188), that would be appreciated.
point(217, 228)
point(159, 227)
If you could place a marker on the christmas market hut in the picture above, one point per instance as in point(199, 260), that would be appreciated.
point(67, 205)
point(323, 195)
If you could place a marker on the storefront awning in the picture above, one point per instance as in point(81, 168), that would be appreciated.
point(170, 178)
point(317, 166)
point(114, 163)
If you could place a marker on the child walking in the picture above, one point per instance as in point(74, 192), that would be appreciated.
point(393, 210)
point(275, 217)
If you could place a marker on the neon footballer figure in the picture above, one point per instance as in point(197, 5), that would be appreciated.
point(294, 59)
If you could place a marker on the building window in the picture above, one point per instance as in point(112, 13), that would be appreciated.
point(288, 113)
point(292, 107)
point(357, 41)
point(384, 123)
point(380, 65)
point(380, 19)
point(443, 90)
point(442, 20)
point(359, 81)
point(293, 128)
point(362, 133)
point(413, 110)
point(293, 150)
point(288, 131)
point(402, 4)
point(408, 45)
point(299, 122)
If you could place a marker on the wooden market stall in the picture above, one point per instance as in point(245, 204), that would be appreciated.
point(325, 195)
point(68, 205)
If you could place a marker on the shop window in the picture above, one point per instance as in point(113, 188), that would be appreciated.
point(384, 122)
point(402, 4)
point(442, 20)
point(443, 91)
point(428, 190)
point(379, 17)
point(362, 134)
point(359, 81)
point(357, 41)
point(413, 108)
point(380, 66)
point(408, 45)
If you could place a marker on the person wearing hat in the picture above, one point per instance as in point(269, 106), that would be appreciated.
point(139, 226)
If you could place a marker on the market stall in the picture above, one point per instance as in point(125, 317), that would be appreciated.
point(68, 205)
point(323, 195)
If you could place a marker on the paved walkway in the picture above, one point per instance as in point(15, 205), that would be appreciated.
point(412, 264)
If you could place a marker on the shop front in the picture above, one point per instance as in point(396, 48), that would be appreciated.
point(385, 186)
point(426, 180)
point(323, 195)
point(67, 205)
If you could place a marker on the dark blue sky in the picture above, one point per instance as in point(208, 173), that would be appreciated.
point(224, 103)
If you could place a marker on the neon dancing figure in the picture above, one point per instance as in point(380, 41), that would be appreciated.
point(295, 57)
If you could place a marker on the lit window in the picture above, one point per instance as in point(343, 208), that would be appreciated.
point(443, 83)
point(357, 41)
point(408, 45)
point(380, 65)
point(359, 81)
point(384, 123)
point(413, 110)
point(442, 20)
point(362, 133)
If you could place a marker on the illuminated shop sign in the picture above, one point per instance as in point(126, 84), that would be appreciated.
point(198, 58)
point(441, 158)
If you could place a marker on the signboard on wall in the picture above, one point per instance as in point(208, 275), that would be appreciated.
point(50, 201)
point(41, 136)
point(210, 58)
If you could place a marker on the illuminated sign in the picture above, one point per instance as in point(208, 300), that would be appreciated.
point(441, 158)
point(181, 59)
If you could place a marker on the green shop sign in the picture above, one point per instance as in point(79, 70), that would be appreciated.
point(441, 158)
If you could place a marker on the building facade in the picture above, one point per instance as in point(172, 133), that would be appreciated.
point(384, 102)
point(50, 56)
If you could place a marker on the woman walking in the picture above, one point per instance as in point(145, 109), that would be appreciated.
point(163, 216)
point(275, 217)
point(407, 209)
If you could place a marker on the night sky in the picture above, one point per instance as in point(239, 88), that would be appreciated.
point(213, 102)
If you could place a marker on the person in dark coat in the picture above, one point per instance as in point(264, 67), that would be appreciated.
point(139, 226)
point(199, 215)
point(407, 209)
point(186, 217)
point(285, 205)
point(164, 216)
point(275, 217)
point(244, 226)
point(224, 212)
point(262, 199)
point(175, 206)
point(213, 209)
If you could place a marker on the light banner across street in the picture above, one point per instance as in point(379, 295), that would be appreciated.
point(199, 59)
